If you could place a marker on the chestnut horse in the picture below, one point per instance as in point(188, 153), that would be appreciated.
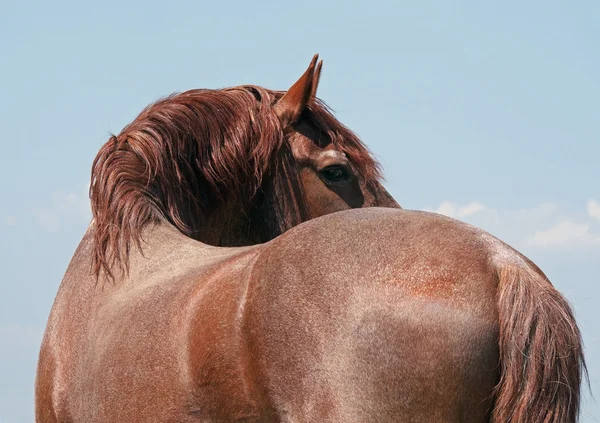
point(197, 295)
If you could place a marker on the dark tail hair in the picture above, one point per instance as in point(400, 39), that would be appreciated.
point(541, 351)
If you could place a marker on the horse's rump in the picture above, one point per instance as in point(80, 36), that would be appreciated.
point(395, 333)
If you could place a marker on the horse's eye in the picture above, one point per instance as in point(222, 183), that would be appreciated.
point(335, 174)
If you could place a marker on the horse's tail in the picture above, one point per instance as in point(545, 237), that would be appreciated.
point(541, 351)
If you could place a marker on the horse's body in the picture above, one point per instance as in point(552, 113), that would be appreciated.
point(282, 332)
point(374, 314)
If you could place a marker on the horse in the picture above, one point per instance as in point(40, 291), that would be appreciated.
point(244, 263)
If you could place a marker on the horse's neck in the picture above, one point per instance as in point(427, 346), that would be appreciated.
point(228, 227)
point(158, 239)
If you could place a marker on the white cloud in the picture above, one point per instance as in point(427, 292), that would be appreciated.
point(10, 221)
point(593, 209)
point(65, 207)
point(450, 209)
point(564, 233)
point(446, 208)
point(545, 226)
point(470, 209)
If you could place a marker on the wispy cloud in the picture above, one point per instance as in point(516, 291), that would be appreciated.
point(547, 225)
point(450, 209)
point(564, 233)
point(65, 207)
point(593, 209)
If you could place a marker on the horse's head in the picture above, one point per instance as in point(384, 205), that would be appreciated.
point(229, 167)
point(336, 171)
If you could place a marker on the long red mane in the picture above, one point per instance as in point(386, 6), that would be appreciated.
point(189, 153)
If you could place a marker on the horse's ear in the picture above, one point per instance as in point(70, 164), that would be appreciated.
point(301, 94)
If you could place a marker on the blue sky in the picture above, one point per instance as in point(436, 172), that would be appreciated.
point(485, 112)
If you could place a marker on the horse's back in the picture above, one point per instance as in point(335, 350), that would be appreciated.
point(377, 315)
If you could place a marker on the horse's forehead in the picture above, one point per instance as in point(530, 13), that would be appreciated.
point(305, 149)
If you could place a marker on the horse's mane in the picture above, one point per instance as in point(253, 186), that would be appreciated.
point(189, 153)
